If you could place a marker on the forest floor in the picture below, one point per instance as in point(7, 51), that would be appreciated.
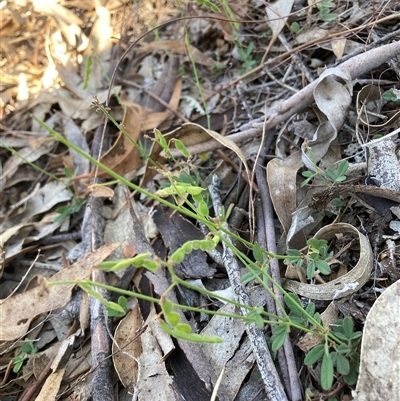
point(199, 200)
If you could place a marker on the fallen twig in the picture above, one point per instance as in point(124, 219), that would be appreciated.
point(356, 66)
point(275, 273)
point(92, 239)
point(273, 385)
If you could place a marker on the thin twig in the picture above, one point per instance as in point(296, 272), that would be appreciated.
point(22, 279)
point(156, 98)
point(296, 58)
point(273, 386)
point(275, 273)
point(266, 143)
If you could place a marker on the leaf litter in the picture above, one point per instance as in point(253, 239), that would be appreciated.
point(250, 81)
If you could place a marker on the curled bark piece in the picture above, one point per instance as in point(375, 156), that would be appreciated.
point(345, 285)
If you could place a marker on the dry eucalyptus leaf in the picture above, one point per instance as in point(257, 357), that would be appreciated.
point(126, 348)
point(29, 153)
point(100, 191)
point(154, 382)
point(235, 352)
point(347, 284)
point(304, 220)
point(41, 200)
point(17, 312)
point(120, 228)
point(74, 134)
point(163, 338)
point(278, 13)
point(338, 46)
point(379, 377)
point(15, 238)
point(157, 119)
point(332, 95)
point(123, 156)
point(51, 386)
point(228, 143)
point(281, 177)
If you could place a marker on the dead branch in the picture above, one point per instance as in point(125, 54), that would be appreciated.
point(357, 66)
point(273, 385)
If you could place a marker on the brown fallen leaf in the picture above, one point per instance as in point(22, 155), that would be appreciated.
point(155, 119)
point(281, 176)
point(127, 347)
point(16, 313)
point(123, 156)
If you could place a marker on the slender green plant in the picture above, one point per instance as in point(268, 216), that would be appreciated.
point(324, 8)
point(191, 199)
point(316, 259)
point(330, 177)
point(247, 57)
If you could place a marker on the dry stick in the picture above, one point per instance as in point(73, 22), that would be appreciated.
point(325, 39)
point(357, 66)
point(92, 239)
point(102, 383)
point(275, 273)
point(273, 386)
point(270, 303)
point(262, 241)
point(296, 58)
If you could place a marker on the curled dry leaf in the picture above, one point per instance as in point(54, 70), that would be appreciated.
point(17, 312)
point(332, 95)
point(380, 362)
point(99, 191)
point(347, 284)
